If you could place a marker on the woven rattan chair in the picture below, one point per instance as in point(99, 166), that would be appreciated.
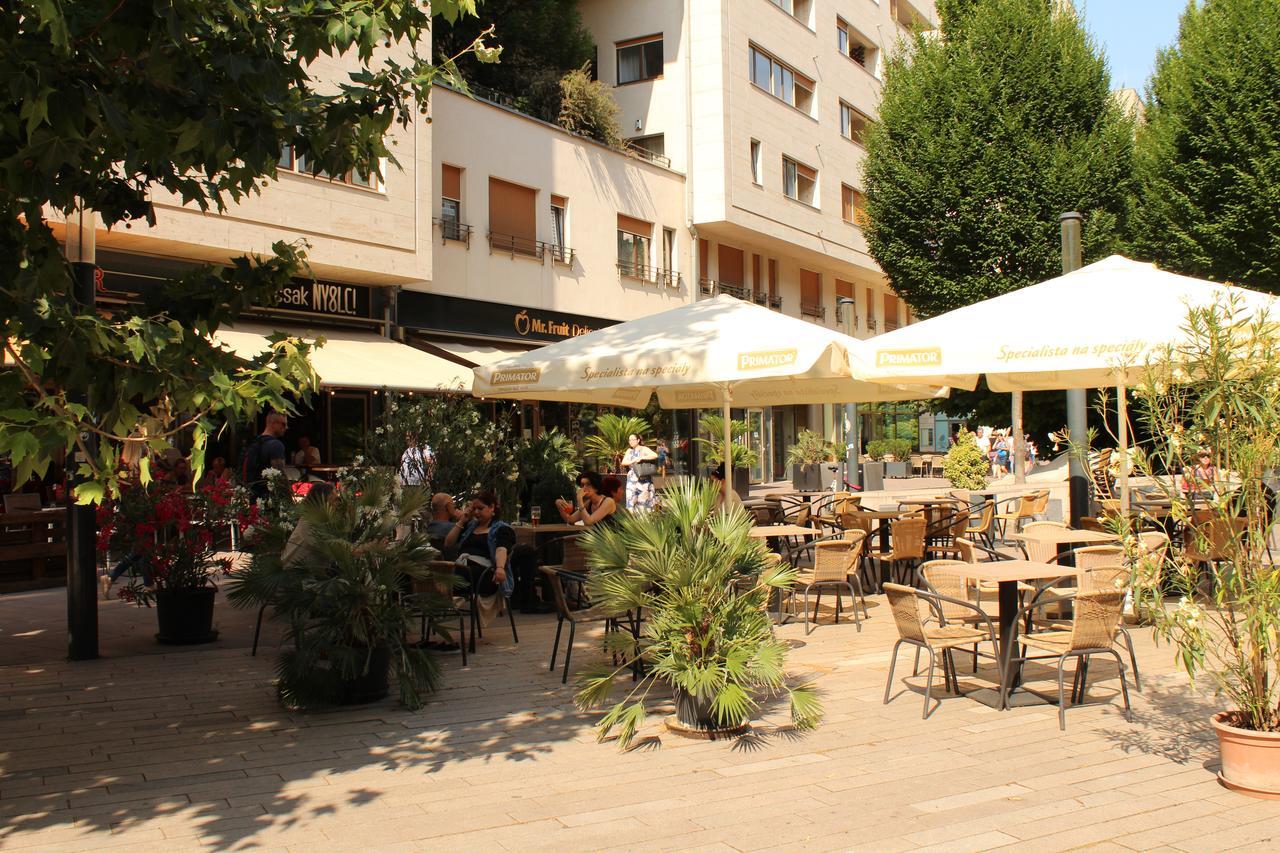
point(574, 617)
point(982, 528)
point(834, 568)
point(906, 548)
point(916, 461)
point(1022, 510)
point(1092, 632)
point(951, 524)
point(433, 600)
point(934, 640)
point(949, 580)
point(1037, 551)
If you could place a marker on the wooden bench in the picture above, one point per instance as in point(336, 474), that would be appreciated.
point(33, 550)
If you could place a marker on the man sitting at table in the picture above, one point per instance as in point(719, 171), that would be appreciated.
point(443, 516)
point(307, 455)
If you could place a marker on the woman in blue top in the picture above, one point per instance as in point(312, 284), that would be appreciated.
point(480, 533)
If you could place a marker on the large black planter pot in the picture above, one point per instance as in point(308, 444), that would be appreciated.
point(806, 477)
point(371, 686)
point(185, 616)
point(694, 718)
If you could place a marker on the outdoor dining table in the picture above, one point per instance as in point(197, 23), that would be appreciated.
point(886, 517)
point(1008, 574)
point(527, 534)
point(1066, 536)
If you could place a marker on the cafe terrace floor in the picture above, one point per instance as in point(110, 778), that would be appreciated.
point(153, 748)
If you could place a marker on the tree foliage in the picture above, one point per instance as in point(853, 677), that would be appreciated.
point(986, 135)
point(1209, 157)
point(116, 102)
point(965, 465)
point(543, 41)
point(588, 108)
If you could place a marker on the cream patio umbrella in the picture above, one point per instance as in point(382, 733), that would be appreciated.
point(717, 352)
point(1090, 328)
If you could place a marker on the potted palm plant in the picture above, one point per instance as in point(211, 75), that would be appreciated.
point(807, 458)
point(703, 584)
point(167, 534)
point(339, 593)
point(1219, 392)
point(610, 440)
point(742, 458)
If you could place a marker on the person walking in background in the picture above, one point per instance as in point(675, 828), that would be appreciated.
point(265, 451)
point(664, 456)
point(639, 462)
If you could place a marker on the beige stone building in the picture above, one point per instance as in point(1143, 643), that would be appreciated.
point(496, 232)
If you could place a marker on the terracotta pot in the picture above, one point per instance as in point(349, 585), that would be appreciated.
point(1250, 760)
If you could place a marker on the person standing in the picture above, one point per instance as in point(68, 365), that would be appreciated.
point(664, 457)
point(639, 462)
point(415, 462)
point(265, 451)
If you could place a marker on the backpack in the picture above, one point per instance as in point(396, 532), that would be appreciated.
point(251, 462)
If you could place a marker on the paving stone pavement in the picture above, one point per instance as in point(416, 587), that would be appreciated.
point(190, 750)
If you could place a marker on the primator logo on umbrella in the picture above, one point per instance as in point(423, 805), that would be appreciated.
point(909, 357)
point(766, 359)
point(520, 376)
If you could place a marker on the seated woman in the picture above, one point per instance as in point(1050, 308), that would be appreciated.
point(483, 541)
point(615, 488)
point(594, 506)
point(728, 498)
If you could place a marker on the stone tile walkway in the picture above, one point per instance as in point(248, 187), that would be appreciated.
point(189, 750)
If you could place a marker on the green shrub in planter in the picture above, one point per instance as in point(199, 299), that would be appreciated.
point(966, 466)
point(901, 448)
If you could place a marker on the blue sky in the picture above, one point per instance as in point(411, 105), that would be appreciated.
point(1130, 32)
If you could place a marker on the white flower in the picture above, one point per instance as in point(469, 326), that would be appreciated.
point(271, 473)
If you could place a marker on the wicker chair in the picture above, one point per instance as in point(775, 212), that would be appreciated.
point(907, 548)
point(951, 524)
point(905, 603)
point(949, 580)
point(433, 601)
point(835, 567)
point(1024, 510)
point(1036, 551)
point(1092, 632)
point(574, 617)
point(1211, 539)
point(916, 462)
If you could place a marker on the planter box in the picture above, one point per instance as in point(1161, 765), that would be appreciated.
point(897, 469)
point(805, 477)
point(873, 476)
point(742, 482)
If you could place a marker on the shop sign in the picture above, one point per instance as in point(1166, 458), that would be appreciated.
point(455, 315)
point(316, 297)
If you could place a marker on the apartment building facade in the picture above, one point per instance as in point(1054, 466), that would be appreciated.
point(764, 104)
point(495, 232)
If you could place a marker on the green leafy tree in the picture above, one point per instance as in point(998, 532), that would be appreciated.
point(1208, 202)
point(987, 133)
point(588, 108)
point(543, 41)
point(113, 103)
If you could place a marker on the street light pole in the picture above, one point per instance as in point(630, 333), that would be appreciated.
point(845, 306)
point(82, 524)
point(1076, 423)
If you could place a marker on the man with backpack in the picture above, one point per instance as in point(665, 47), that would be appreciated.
point(265, 451)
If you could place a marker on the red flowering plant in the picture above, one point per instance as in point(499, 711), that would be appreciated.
point(171, 532)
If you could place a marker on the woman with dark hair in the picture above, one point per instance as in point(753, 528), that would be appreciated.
point(483, 542)
point(615, 488)
point(302, 538)
point(594, 506)
point(640, 464)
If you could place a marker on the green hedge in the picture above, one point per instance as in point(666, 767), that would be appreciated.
point(901, 448)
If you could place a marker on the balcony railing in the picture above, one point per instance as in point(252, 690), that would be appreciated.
point(631, 269)
point(871, 324)
point(452, 229)
point(760, 298)
point(775, 302)
point(671, 278)
point(510, 244)
point(817, 311)
point(560, 254)
point(711, 287)
point(645, 154)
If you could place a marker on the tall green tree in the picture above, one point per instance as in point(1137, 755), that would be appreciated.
point(1208, 202)
point(115, 101)
point(543, 40)
point(987, 132)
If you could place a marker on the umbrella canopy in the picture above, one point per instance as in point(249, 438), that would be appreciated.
point(1090, 328)
point(699, 355)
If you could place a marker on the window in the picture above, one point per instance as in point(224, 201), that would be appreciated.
point(513, 221)
point(291, 161)
point(853, 206)
point(655, 144)
point(890, 312)
point(634, 236)
point(856, 46)
point(669, 254)
point(781, 81)
point(907, 15)
point(775, 301)
point(559, 227)
point(757, 163)
point(639, 59)
point(811, 294)
point(798, 181)
point(798, 9)
point(451, 202)
point(853, 124)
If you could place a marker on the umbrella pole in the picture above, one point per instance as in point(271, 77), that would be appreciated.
point(728, 441)
point(1122, 411)
point(1015, 449)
